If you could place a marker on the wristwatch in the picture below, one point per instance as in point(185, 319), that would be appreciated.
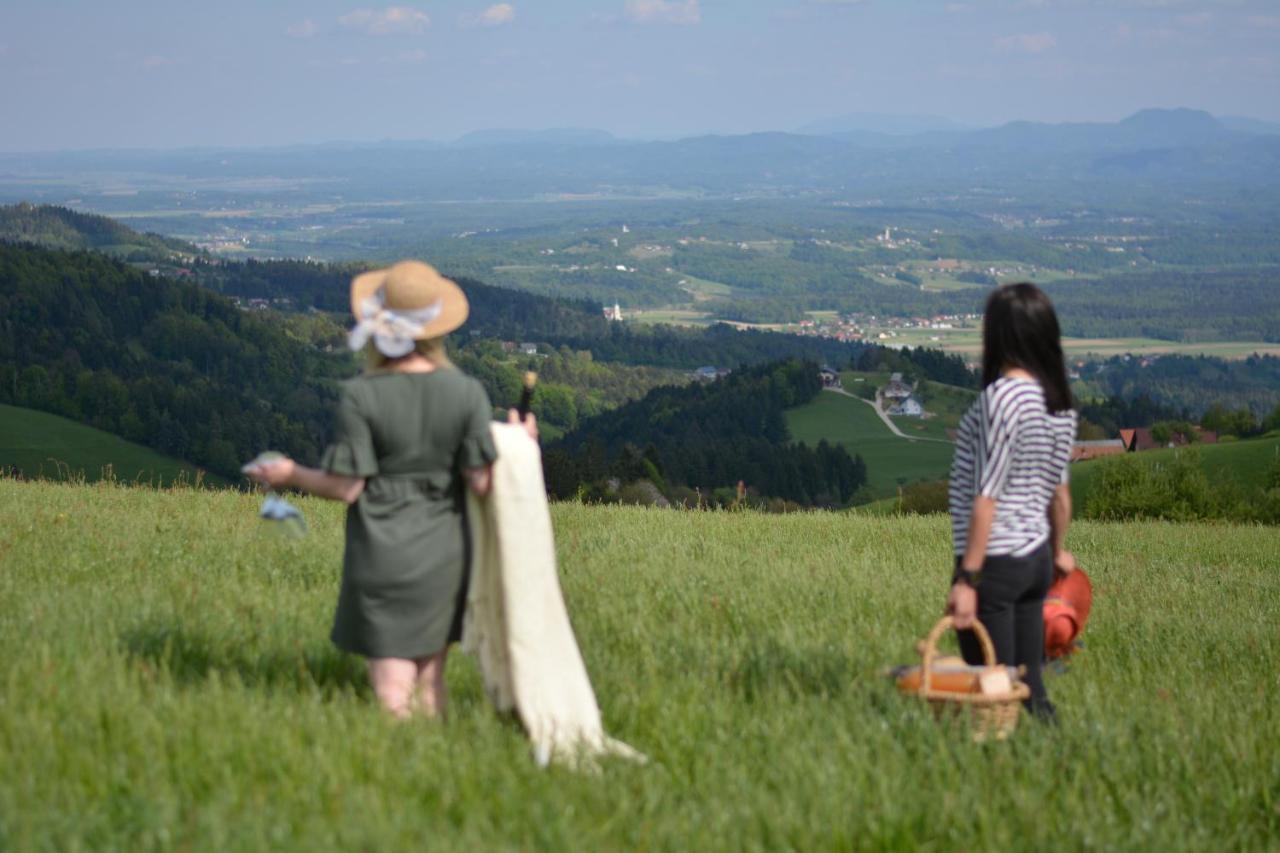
point(969, 578)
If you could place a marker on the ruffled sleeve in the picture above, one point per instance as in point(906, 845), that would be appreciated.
point(477, 450)
point(351, 454)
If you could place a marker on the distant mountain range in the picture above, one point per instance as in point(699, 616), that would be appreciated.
point(553, 136)
point(879, 123)
point(1167, 151)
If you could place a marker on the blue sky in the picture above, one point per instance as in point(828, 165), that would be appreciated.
point(146, 73)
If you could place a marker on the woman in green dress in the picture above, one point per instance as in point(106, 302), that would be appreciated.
point(412, 433)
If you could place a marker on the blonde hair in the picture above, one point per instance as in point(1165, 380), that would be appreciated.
point(432, 349)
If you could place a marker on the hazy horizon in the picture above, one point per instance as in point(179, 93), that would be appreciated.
point(162, 75)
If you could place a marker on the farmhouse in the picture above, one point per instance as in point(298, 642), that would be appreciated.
point(909, 407)
point(1083, 450)
point(830, 378)
point(1142, 438)
point(896, 389)
point(710, 374)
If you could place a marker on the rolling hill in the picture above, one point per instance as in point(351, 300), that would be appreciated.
point(853, 424)
point(62, 228)
point(1247, 463)
point(38, 444)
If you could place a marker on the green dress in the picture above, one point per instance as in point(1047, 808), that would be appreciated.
point(404, 570)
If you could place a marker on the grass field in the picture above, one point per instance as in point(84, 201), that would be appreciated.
point(44, 445)
point(1245, 462)
point(169, 685)
point(673, 316)
point(891, 461)
point(946, 403)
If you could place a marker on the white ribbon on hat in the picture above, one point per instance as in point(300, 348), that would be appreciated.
point(394, 333)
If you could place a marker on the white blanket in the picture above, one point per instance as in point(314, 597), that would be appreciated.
point(516, 624)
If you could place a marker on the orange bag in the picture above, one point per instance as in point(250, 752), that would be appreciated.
point(1066, 609)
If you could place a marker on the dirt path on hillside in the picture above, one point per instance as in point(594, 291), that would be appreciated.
point(887, 420)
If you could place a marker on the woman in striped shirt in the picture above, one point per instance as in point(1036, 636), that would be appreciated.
point(1009, 499)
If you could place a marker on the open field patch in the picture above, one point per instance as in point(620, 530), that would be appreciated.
point(891, 461)
point(169, 684)
point(39, 444)
point(1245, 463)
point(968, 342)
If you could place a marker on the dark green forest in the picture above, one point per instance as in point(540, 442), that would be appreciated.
point(63, 228)
point(166, 364)
point(709, 437)
point(1189, 386)
point(1203, 305)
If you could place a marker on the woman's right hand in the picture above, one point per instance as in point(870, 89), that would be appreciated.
point(530, 423)
point(962, 605)
point(1064, 563)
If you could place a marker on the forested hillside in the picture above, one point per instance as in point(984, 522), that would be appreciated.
point(179, 368)
point(1173, 305)
point(1191, 385)
point(63, 228)
point(709, 437)
point(170, 365)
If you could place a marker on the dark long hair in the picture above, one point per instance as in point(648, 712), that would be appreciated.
point(1020, 329)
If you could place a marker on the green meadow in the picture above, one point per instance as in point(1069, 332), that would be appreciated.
point(891, 461)
point(1246, 464)
point(48, 446)
point(169, 685)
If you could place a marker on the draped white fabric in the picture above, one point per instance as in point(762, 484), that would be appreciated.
point(393, 332)
point(516, 622)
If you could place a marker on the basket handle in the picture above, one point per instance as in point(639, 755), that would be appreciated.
point(931, 648)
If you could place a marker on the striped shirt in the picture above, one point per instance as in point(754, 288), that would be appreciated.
point(1010, 448)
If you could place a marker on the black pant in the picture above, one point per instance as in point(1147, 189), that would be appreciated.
point(1011, 607)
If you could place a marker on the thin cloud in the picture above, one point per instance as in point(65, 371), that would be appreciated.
point(391, 21)
point(407, 57)
point(681, 12)
point(302, 30)
point(496, 15)
point(1196, 21)
point(1026, 43)
point(151, 63)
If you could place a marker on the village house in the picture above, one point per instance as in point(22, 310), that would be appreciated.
point(1141, 438)
point(1084, 450)
point(710, 373)
point(896, 389)
point(830, 378)
point(909, 408)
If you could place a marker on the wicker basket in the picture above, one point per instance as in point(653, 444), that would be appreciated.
point(989, 716)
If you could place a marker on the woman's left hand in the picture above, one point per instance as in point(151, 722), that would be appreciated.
point(962, 605)
point(274, 474)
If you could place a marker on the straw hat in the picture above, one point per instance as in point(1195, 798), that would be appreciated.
point(416, 288)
